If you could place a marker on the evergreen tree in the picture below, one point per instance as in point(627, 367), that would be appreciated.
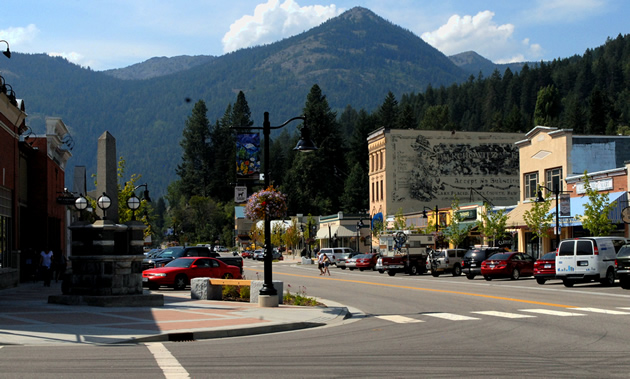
point(388, 112)
point(194, 171)
point(354, 199)
point(547, 107)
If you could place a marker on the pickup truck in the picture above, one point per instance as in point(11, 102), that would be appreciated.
point(175, 252)
point(412, 263)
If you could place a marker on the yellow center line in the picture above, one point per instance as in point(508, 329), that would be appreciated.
point(426, 289)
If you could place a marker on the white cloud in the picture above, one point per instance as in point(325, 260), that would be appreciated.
point(273, 21)
point(18, 35)
point(481, 34)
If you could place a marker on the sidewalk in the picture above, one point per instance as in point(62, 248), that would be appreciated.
point(26, 318)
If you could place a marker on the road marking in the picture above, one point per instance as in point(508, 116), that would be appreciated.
point(168, 363)
point(502, 314)
point(604, 311)
point(451, 316)
point(425, 289)
point(399, 319)
point(552, 312)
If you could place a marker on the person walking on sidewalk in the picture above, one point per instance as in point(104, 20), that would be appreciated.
point(45, 263)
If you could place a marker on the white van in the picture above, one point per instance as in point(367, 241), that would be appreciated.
point(334, 254)
point(588, 258)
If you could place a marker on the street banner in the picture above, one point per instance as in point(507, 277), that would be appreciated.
point(247, 156)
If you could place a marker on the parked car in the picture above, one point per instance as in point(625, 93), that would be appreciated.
point(152, 253)
point(366, 261)
point(334, 254)
point(246, 254)
point(471, 263)
point(341, 262)
point(447, 260)
point(277, 255)
point(511, 265)
point(622, 263)
point(588, 258)
point(545, 268)
point(258, 254)
point(351, 263)
point(179, 272)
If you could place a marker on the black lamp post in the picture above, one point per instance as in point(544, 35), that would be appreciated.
point(437, 225)
point(359, 226)
point(305, 145)
point(134, 203)
point(556, 191)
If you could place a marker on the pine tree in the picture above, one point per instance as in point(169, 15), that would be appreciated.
point(194, 171)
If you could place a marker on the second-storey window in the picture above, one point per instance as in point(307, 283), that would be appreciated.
point(553, 179)
point(531, 184)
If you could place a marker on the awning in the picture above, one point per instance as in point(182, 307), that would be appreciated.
point(515, 218)
point(577, 208)
point(343, 231)
point(323, 233)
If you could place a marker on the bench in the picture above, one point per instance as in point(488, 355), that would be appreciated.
point(212, 288)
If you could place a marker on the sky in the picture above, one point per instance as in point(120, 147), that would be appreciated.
point(107, 34)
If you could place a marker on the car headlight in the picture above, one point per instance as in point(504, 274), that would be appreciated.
point(162, 275)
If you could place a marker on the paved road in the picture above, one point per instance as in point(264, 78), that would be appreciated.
point(402, 327)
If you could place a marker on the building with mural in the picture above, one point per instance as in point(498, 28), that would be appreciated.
point(417, 169)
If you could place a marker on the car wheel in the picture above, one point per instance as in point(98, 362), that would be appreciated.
point(180, 282)
point(343, 268)
point(391, 273)
point(413, 270)
point(457, 270)
point(625, 282)
point(515, 274)
point(435, 273)
point(609, 280)
point(381, 271)
point(470, 276)
point(361, 269)
point(227, 275)
point(568, 283)
point(486, 277)
point(541, 280)
point(351, 268)
point(153, 286)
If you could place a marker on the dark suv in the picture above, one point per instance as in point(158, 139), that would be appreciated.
point(174, 252)
point(471, 263)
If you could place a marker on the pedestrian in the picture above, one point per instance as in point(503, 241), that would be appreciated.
point(326, 265)
point(320, 263)
point(45, 263)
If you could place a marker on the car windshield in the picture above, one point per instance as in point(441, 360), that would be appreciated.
point(440, 254)
point(472, 253)
point(500, 257)
point(624, 252)
point(170, 253)
point(180, 263)
point(363, 256)
point(549, 256)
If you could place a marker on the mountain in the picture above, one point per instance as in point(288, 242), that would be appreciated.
point(159, 66)
point(473, 63)
point(356, 58)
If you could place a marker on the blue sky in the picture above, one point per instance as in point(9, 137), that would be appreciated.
point(118, 33)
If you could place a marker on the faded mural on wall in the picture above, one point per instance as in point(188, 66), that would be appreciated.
point(434, 167)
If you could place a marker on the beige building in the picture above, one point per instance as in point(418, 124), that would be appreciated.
point(414, 170)
point(553, 157)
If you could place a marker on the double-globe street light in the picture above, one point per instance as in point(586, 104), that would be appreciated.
point(304, 145)
point(540, 199)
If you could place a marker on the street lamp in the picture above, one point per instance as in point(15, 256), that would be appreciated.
point(540, 199)
point(305, 145)
point(134, 203)
point(359, 226)
point(8, 52)
point(104, 202)
point(437, 225)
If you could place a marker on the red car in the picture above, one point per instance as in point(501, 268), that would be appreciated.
point(366, 261)
point(179, 272)
point(246, 254)
point(545, 268)
point(511, 265)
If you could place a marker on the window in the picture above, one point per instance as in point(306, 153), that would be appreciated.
point(382, 195)
point(531, 184)
point(553, 179)
point(372, 191)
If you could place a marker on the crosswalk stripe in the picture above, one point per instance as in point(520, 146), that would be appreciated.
point(552, 312)
point(399, 319)
point(450, 316)
point(604, 311)
point(503, 314)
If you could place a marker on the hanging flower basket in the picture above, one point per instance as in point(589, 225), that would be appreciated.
point(269, 202)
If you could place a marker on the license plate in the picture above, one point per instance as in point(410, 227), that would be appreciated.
point(491, 266)
point(145, 279)
point(473, 265)
point(548, 266)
